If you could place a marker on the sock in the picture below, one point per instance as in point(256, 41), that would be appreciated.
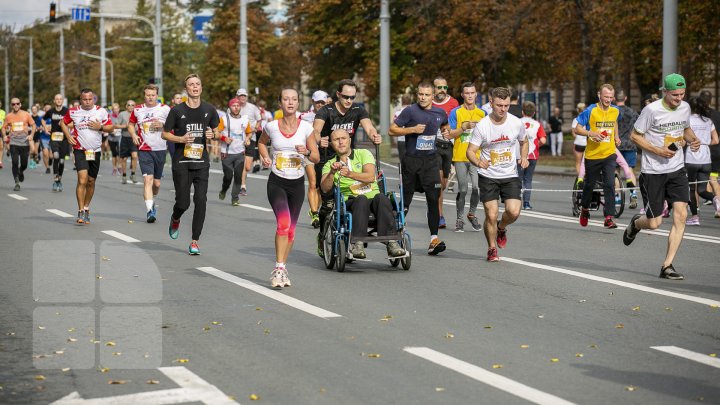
point(132, 173)
point(86, 208)
point(124, 175)
point(433, 237)
point(148, 205)
point(279, 265)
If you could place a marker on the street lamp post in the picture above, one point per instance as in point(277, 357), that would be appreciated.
point(244, 43)
point(384, 67)
point(112, 71)
point(7, 78)
point(31, 91)
point(158, 47)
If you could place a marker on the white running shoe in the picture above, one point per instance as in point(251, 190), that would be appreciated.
point(277, 278)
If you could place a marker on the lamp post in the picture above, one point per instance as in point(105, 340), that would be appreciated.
point(384, 67)
point(7, 78)
point(244, 43)
point(112, 71)
point(31, 91)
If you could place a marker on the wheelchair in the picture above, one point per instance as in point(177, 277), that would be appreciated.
point(598, 198)
point(338, 238)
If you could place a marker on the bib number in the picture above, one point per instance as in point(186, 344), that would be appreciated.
point(607, 135)
point(57, 136)
point(147, 127)
point(669, 139)
point(193, 150)
point(465, 136)
point(288, 162)
point(425, 142)
point(360, 188)
point(90, 155)
point(502, 157)
point(18, 126)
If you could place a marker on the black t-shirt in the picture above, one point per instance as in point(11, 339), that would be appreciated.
point(516, 110)
point(555, 124)
point(421, 145)
point(350, 121)
point(56, 116)
point(183, 120)
point(715, 118)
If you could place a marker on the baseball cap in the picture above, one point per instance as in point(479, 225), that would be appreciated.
point(320, 96)
point(242, 92)
point(673, 81)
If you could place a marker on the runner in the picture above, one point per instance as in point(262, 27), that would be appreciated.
point(714, 154)
point(149, 119)
point(292, 140)
point(627, 148)
point(535, 134)
point(699, 164)
point(2, 142)
point(59, 145)
point(252, 113)
point(497, 135)
point(462, 121)
point(128, 149)
point(35, 141)
point(353, 170)
point(444, 147)
point(89, 122)
point(115, 137)
point(599, 123)
point(579, 144)
point(19, 129)
point(45, 121)
point(660, 131)
point(235, 138)
point(420, 124)
point(319, 99)
point(252, 159)
point(405, 101)
point(190, 125)
point(345, 114)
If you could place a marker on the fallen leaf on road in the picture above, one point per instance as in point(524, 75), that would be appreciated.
point(258, 309)
point(631, 388)
point(449, 335)
point(254, 397)
point(105, 259)
point(712, 354)
point(181, 360)
point(497, 366)
point(541, 316)
point(71, 330)
point(668, 309)
point(636, 308)
point(217, 323)
point(10, 334)
point(439, 389)
point(582, 301)
point(487, 326)
point(104, 370)
point(95, 341)
point(59, 352)
point(386, 318)
point(267, 331)
point(130, 221)
point(41, 327)
point(374, 355)
point(72, 340)
point(524, 346)
point(39, 377)
point(117, 353)
point(152, 382)
point(554, 360)
point(110, 343)
point(619, 326)
point(579, 355)
point(593, 346)
point(65, 369)
point(206, 328)
point(146, 355)
point(117, 382)
point(99, 277)
point(58, 313)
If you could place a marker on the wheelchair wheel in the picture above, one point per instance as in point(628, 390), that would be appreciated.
point(328, 242)
point(576, 196)
point(394, 262)
point(619, 197)
point(341, 255)
point(407, 245)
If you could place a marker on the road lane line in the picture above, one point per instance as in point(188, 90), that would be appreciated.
point(486, 377)
point(185, 378)
point(59, 213)
point(121, 236)
point(680, 352)
point(255, 207)
point(293, 302)
point(633, 286)
point(17, 197)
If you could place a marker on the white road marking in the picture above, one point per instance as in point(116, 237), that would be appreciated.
point(255, 207)
point(293, 302)
point(633, 286)
point(494, 380)
point(17, 197)
point(680, 352)
point(59, 213)
point(193, 389)
point(121, 236)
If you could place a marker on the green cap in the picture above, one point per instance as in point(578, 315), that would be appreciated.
point(674, 81)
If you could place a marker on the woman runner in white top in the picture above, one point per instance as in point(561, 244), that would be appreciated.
point(697, 164)
point(292, 140)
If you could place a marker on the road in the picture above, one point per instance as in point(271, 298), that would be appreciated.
point(116, 309)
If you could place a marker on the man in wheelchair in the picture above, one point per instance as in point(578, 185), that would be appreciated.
point(354, 172)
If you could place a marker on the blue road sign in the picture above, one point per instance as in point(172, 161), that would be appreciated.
point(81, 14)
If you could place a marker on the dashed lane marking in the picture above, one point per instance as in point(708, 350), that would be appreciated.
point(255, 207)
point(17, 197)
point(121, 236)
point(59, 213)
point(687, 354)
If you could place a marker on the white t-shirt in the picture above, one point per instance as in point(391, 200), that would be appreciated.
point(661, 126)
point(703, 127)
point(286, 161)
point(395, 115)
point(252, 113)
point(579, 139)
point(142, 116)
point(497, 143)
point(88, 139)
point(237, 129)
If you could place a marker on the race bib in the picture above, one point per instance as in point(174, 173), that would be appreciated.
point(193, 150)
point(18, 126)
point(669, 139)
point(607, 134)
point(89, 155)
point(235, 135)
point(57, 136)
point(147, 127)
point(465, 136)
point(290, 161)
point(360, 188)
point(425, 142)
point(501, 157)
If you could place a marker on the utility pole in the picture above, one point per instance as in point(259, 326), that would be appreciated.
point(243, 45)
point(384, 67)
point(31, 91)
point(158, 47)
point(103, 73)
point(7, 79)
point(670, 22)
point(62, 62)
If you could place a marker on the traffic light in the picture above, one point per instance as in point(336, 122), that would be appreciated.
point(52, 12)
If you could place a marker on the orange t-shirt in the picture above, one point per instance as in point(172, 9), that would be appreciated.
point(18, 124)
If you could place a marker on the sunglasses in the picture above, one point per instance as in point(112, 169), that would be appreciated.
point(129, 105)
point(441, 87)
point(15, 103)
point(347, 97)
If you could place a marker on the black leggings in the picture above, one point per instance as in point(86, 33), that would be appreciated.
point(696, 173)
point(60, 149)
point(286, 198)
point(233, 166)
point(19, 155)
point(183, 178)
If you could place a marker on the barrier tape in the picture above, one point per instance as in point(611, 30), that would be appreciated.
point(595, 190)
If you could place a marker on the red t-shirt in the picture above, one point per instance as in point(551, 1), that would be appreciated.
point(447, 105)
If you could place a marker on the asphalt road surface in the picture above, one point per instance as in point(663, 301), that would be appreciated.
point(117, 312)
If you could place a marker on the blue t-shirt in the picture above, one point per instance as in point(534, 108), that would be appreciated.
point(421, 145)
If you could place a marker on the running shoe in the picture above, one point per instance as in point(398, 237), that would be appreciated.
point(394, 249)
point(235, 203)
point(59, 186)
point(222, 194)
point(243, 191)
point(358, 250)
point(21, 177)
point(55, 187)
point(631, 231)
point(133, 179)
point(717, 214)
point(527, 207)
point(584, 217)
point(670, 273)
point(1, 165)
point(256, 168)
point(459, 225)
point(277, 278)
point(150, 217)
point(285, 278)
point(633, 201)
point(86, 217)
point(442, 224)
point(436, 246)
point(501, 237)
point(474, 222)
point(693, 221)
point(174, 228)
point(716, 203)
point(708, 202)
point(580, 184)
point(609, 223)
point(194, 249)
point(314, 219)
point(47, 170)
point(492, 255)
point(17, 187)
point(32, 165)
point(124, 179)
point(81, 218)
point(115, 172)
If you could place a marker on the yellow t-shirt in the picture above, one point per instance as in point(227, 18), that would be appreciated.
point(604, 122)
point(457, 116)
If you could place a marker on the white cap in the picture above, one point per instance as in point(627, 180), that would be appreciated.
point(320, 96)
point(242, 92)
